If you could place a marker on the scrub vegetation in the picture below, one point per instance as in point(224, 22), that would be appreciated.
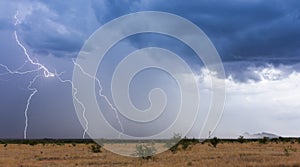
point(265, 152)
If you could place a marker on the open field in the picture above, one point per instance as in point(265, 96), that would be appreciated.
point(280, 154)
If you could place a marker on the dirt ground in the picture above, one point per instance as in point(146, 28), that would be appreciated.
point(226, 154)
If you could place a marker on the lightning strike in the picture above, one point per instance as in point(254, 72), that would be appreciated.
point(77, 100)
point(34, 91)
point(103, 96)
point(40, 66)
point(47, 74)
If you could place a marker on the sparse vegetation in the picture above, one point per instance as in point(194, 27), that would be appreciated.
point(176, 143)
point(30, 142)
point(231, 151)
point(241, 139)
point(173, 143)
point(145, 151)
point(95, 148)
point(214, 141)
point(188, 143)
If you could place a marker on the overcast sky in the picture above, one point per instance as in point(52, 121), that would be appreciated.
point(257, 40)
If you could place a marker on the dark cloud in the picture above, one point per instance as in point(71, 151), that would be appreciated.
point(249, 33)
point(110, 9)
point(60, 46)
point(258, 31)
point(245, 71)
point(244, 30)
point(56, 27)
point(241, 30)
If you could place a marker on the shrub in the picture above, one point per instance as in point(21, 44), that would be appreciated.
point(95, 148)
point(176, 142)
point(284, 140)
point(172, 144)
point(276, 140)
point(187, 143)
point(214, 141)
point(33, 143)
point(145, 151)
point(241, 139)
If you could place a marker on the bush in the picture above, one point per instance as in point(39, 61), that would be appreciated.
point(187, 143)
point(172, 144)
point(174, 148)
point(32, 143)
point(276, 140)
point(176, 142)
point(95, 148)
point(214, 142)
point(284, 140)
point(145, 151)
point(241, 139)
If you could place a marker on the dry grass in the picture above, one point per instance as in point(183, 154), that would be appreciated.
point(226, 154)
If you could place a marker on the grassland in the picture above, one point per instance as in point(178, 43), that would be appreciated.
point(285, 153)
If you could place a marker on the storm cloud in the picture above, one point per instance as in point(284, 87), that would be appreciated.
point(258, 41)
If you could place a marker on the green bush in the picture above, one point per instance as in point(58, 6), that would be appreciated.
point(214, 141)
point(176, 142)
point(187, 143)
point(275, 140)
point(145, 151)
point(95, 148)
point(172, 144)
point(241, 139)
point(32, 143)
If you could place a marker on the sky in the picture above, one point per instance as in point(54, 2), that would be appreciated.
point(258, 42)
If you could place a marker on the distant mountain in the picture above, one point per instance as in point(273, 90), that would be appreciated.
point(260, 135)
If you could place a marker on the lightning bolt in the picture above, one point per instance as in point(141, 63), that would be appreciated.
point(100, 93)
point(34, 91)
point(76, 99)
point(47, 74)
